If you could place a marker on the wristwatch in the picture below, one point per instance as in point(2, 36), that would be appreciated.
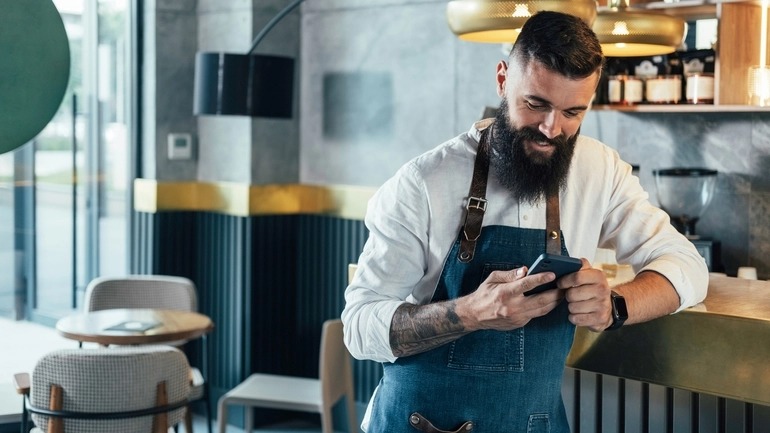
point(619, 310)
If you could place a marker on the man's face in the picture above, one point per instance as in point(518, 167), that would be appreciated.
point(536, 128)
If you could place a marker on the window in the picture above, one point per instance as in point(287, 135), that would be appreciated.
point(67, 190)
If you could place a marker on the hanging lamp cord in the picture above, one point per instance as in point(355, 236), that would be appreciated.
point(270, 24)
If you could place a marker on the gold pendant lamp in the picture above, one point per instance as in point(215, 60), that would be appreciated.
point(497, 21)
point(628, 32)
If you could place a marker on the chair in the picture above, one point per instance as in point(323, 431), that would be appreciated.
point(136, 389)
point(298, 393)
point(141, 291)
point(151, 291)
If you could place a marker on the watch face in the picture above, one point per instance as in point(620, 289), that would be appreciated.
point(619, 309)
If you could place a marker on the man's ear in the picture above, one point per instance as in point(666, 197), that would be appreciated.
point(502, 71)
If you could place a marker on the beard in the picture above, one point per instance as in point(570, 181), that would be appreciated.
point(529, 178)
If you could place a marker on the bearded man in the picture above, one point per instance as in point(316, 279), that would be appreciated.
point(438, 296)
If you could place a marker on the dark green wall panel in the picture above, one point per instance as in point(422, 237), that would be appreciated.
point(267, 282)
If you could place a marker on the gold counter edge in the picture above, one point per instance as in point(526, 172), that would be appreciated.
point(237, 199)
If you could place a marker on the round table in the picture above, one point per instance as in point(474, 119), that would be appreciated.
point(134, 326)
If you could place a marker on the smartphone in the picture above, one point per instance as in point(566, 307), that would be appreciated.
point(559, 265)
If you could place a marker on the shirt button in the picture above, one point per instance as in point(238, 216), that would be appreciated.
point(525, 218)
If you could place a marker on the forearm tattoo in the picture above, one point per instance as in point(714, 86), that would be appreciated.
point(419, 328)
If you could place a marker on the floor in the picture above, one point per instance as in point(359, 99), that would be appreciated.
point(25, 342)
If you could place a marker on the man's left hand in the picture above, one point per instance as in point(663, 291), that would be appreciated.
point(588, 294)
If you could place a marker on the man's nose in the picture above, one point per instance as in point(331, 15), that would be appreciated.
point(550, 126)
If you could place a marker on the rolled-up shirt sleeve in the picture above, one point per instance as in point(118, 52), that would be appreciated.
point(390, 266)
point(643, 236)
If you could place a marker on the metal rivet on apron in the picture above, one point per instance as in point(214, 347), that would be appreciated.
point(469, 426)
point(554, 235)
point(465, 255)
point(414, 419)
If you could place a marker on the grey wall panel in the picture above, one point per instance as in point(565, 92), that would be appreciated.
point(377, 88)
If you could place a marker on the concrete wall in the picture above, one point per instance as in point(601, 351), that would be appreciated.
point(384, 80)
point(735, 144)
point(226, 148)
point(170, 29)
point(381, 81)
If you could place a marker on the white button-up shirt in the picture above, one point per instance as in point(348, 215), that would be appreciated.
point(415, 217)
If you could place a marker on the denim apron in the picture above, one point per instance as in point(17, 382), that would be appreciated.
point(486, 381)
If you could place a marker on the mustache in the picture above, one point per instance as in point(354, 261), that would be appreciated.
point(531, 134)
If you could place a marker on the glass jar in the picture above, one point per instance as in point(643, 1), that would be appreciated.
point(700, 88)
point(664, 89)
point(624, 89)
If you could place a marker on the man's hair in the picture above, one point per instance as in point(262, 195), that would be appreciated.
point(562, 43)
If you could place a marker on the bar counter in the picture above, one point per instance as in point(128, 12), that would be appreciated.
point(720, 346)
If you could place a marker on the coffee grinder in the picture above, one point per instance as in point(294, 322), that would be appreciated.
point(685, 193)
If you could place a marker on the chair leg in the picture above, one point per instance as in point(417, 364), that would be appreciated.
point(24, 415)
point(326, 420)
point(188, 419)
point(351, 407)
point(56, 402)
point(160, 420)
point(222, 415)
point(248, 422)
point(208, 410)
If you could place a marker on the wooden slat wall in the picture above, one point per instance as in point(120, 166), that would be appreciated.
point(209, 249)
point(221, 275)
point(329, 245)
point(268, 282)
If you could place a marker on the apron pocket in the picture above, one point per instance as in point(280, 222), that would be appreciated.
point(499, 266)
point(488, 350)
point(539, 423)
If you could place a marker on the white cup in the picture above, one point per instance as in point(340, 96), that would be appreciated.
point(747, 273)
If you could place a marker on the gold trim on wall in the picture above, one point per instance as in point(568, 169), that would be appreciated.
point(239, 199)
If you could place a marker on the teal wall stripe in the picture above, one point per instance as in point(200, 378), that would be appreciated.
point(267, 282)
point(273, 295)
point(143, 242)
point(330, 244)
point(221, 277)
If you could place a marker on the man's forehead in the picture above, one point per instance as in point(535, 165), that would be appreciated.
point(535, 80)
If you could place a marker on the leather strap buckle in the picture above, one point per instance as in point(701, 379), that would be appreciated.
point(477, 203)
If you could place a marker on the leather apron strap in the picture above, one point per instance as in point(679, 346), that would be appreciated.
point(476, 206)
point(477, 202)
point(552, 225)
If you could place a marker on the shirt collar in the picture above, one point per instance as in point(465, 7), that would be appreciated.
point(479, 126)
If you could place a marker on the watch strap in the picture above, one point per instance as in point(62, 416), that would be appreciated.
point(619, 310)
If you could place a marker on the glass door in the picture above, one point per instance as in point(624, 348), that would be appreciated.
point(78, 213)
point(8, 295)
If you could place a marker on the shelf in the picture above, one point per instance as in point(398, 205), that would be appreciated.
point(681, 108)
point(685, 9)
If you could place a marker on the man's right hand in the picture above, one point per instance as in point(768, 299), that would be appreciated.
point(499, 302)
